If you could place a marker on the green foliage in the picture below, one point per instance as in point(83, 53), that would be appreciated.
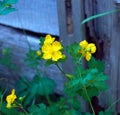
point(94, 63)
point(73, 50)
point(91, 79)
point(38, 86)
point(106, 113)
point(6, 58)
point(6, 6)
point(32, 59)
point(42, 39)
point(38, 109)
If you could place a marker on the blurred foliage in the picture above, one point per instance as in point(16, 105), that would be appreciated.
point(6, 6)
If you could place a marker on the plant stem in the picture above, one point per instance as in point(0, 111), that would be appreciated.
point(24, 110)
point(89, 100)
point(113, 104)
point(46, 95)
point(21, 107)
point(86, 92)
point(60, 69)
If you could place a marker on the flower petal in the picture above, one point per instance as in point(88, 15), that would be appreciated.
point(83, 44)
point(56, 46)
point(47, 56)
point(91, 48)
point(49, 39)
point(88, 56)
point(47, 48)
point(56, 56)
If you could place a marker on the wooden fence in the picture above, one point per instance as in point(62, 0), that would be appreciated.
point(104, 31)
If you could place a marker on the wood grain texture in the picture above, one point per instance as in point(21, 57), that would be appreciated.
point(34, 15)
point(107, 29)
point(76, 16)
point(16, 40)
point(104, 31)
point(66, 37)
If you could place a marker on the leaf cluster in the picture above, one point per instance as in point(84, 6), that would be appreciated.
point(6, 6)
point(39, 86)
point(6, 58)
point(92, 80)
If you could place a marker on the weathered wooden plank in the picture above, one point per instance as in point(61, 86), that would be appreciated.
point(70, 16)
point(34, 15)
point(64, 16)
point(18, 43)
point(107, 29)
point(115, 58)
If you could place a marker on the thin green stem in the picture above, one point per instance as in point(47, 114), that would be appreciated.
point(89, 100)
point(46, 95)
point(60, 69)
point(21, 107)
point(86, 90)
point(113, 104)
point(24, 110)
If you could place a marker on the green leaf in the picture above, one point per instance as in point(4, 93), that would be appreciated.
point(91, 91)
point(93, 63)
point(43, 85)
point(105, 113)
point(7, 11)
point(101, 85)
point(73, 50)
point(98, 15)
point(10, 1)
point(42, 39)
point(32, 59)
point(38, 109)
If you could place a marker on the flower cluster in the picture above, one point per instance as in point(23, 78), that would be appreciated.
point(51, 49)
point(11, 98)
point(87, 49)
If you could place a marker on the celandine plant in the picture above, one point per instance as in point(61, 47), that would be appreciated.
point(84, 82)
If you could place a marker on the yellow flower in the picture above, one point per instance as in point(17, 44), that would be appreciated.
point(56, 46)
point(83, 44)
point(56, 55)
point(91, 48)
point(11, 98)
point(49, 39)
point(52, 49)
point(88, 56)
point(38, 53)
point(87, 49)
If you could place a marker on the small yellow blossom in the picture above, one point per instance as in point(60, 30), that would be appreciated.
point(63, 56)
point(52, 49)
point(11, 98)
point(87, 49)
point(83, 44)
point(56, 46)
point(91, 48)
point(88, 56)
point(49, 39)
point(38, 53)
